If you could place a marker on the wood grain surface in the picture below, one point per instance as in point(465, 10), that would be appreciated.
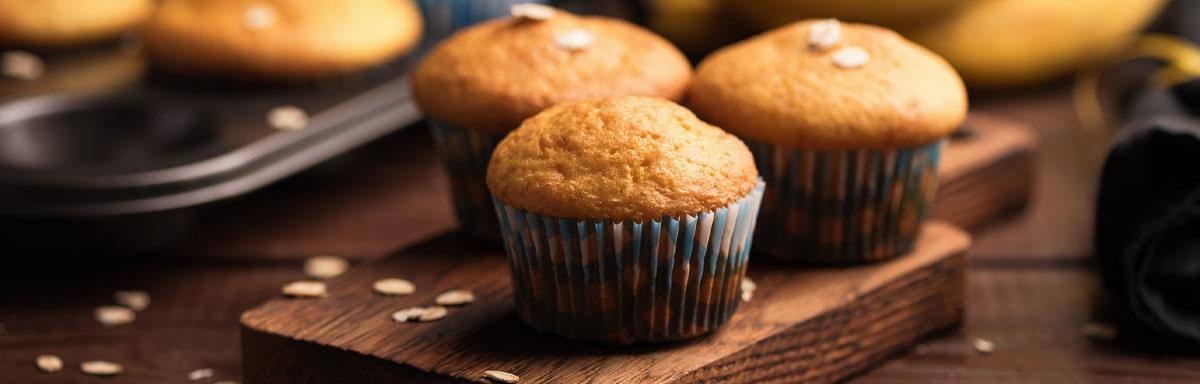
point(1057, 226)
point(811, 325)
point(1034, 315)
point(987, 171)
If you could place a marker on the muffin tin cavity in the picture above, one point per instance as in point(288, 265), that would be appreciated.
point(103, 134)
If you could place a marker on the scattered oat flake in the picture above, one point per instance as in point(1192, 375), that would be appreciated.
point(532, 11)
point(21, 65)
point(824, 34)
point(984, 346)
point(433, 313)
point(850, 57)
point(49, 363)
point(305, 289)
point(325, 267)
point(415, 314)
point(394, 287)
point(501, 376)
point(135, 300)
point(200, 374)
point(748, 284)
point(111, 315)
point(100, 368)
point(748, 287)
point(287, 118)
point(259, 16)
point(1099, 331)
point(576, 39)
point(408, 314)
point(455, 298)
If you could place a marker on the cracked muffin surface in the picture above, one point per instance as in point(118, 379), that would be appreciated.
point(492, 76)
point(776, 88)
point(618, 158)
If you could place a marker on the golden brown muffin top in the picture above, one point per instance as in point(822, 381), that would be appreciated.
point(781, 87)
point(58, 23)
point(625, 157)
point(491, 76)
point(289, 39)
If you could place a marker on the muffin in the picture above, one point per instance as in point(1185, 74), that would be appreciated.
point(60, 23)
point(625, 219)
point(444, 17)
point(482, 82)
point(280, 39)
point(846, 122)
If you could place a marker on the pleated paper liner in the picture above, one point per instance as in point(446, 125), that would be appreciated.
point(466, 154)
point(619, 282)
point(444, 17)
point(846, 206)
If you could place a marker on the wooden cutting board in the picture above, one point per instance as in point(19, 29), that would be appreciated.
point(810, 325)
point(987, 171)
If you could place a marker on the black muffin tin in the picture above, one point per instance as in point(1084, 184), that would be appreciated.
point(111, 155)
point(104, 154)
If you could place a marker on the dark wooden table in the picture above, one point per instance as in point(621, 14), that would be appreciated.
point(1030, 289)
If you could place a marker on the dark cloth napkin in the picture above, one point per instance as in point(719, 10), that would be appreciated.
point(1147, 231)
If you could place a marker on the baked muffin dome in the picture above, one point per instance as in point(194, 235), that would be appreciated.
point(56, 23)
point(774, 88)
point(288, 39)
point(620, 158)
point(491, 76)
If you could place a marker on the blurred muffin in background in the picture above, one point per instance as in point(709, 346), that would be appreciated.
point(280, 39)
point(846, 123)
point(62, 23)
point(485, 80)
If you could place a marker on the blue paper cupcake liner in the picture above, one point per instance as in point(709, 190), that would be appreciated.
point(466, 154)
point(444, 17)
point(620, 282)
point(843, 207)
